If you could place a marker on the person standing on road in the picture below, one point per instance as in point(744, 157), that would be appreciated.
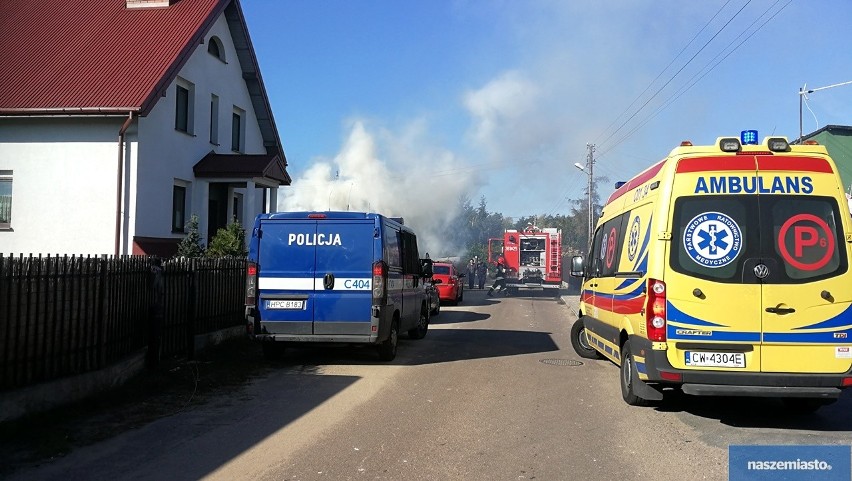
point(500, 277)
point(481, 272)
point(471, 273)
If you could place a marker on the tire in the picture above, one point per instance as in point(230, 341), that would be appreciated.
point(387, 349)
point(581, 343)
point(628, 374)
point(797, 405)
point(422, 328)
point(272, 350)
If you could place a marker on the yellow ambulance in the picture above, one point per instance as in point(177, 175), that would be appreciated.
point(723, 270)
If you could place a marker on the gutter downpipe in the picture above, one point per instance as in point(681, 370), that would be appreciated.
point(119, 180)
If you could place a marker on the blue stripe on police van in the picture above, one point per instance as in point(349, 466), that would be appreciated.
point(308, 284)
point(640, 367)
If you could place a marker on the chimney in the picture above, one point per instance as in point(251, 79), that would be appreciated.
point(148, 3)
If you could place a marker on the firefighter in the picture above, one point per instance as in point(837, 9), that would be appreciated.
point(500, 277)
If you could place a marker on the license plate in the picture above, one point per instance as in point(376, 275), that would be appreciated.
point(300, 304)
point(715, 359)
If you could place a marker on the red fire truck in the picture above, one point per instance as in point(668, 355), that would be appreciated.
point(533, 258)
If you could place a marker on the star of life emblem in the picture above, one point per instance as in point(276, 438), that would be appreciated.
point(712, 239)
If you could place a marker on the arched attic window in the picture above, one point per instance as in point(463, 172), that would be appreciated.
point(215, 48)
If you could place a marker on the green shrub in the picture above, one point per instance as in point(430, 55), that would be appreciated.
point(228, 242)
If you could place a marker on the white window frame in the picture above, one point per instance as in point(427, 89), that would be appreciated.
point(214, 119)
point(190, 105)
point(6, 176)
point(241, 130)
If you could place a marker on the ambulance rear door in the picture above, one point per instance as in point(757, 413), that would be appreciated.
point(712, 297)
point(806, 295)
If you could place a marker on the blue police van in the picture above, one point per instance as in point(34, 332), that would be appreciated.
point(335, 277)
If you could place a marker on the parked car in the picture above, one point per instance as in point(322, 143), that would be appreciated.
point(433, 299)
point(450, 287)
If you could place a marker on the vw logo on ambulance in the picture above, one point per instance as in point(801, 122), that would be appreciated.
point(712, 239)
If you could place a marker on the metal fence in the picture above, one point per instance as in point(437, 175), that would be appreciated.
point(62, 316)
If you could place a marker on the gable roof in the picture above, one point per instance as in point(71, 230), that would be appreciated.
point(98, 57)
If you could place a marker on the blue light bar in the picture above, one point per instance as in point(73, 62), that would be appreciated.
point(748, 137)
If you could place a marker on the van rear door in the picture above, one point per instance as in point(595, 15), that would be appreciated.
point(807, 323)
point(314, 276)
point(714, 319)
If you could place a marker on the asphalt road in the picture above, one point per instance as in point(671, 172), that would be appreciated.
point(494, 392)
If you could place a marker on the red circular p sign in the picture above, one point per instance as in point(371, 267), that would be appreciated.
point(806, 242)
point(610, 248)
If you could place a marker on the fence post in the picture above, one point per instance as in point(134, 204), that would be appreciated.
point(190, 312)
point(156, 313)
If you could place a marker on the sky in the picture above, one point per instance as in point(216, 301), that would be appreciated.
point(404, 106)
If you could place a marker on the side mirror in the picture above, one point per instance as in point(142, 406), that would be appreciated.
point(426, 267)
point(577, 266)
point(436, 281)
point(461, 275)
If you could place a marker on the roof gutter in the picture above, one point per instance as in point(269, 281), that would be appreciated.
point(119, 180)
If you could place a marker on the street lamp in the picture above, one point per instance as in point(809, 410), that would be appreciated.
point(803, 92)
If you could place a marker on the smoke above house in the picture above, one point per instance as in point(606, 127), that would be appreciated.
point(396, 174)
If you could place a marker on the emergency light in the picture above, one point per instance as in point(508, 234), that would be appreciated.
point(748, 137)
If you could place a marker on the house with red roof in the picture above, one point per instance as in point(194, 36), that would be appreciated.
point(120, 119)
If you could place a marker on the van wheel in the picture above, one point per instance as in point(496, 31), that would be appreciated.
point(629, 374)
point(419, 332)
point(272, 350)
point(581, 343)
point(387, 349)
point(797, 405)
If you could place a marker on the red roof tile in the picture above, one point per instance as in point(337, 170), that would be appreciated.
point(94, 55)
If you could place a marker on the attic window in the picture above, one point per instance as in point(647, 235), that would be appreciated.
point(215, 48)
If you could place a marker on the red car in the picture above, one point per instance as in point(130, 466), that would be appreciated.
point(448, 281)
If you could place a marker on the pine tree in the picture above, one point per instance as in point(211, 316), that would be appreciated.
point(190, 246)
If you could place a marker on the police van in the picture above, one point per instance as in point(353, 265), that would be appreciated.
point(723, 270)
point(335, 277)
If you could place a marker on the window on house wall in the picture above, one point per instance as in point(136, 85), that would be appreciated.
point(238, 208)
point(214, 119)
point(237, 130)
point(184, 106)
point(5, 199)
point(215, 48)
point(178, 208)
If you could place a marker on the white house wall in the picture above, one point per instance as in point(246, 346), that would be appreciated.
point(166, 154)
point(63, 184)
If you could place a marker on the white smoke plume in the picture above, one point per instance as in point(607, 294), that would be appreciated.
point(396, 174)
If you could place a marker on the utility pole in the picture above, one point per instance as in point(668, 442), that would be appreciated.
point(590, 165)
point(589, 170)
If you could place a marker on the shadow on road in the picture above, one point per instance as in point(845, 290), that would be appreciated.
point(749, 412)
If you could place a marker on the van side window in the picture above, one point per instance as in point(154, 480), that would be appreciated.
point(410, 254)
point(607, 247)
point(593, 266)
point(392, 247)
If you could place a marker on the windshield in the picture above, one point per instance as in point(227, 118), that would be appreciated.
point(723, 238)
point(445, 270)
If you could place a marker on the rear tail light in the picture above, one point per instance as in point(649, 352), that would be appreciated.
point(380, 274)
point(251, 284)
point(847, 381)
point(655, 310)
